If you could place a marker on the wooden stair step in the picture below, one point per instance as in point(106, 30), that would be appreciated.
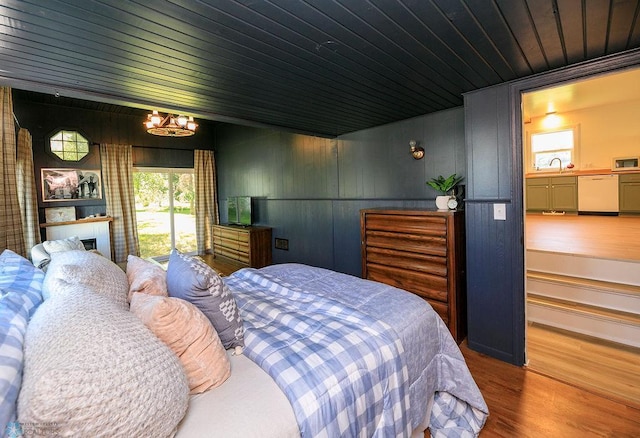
point(584, 282)
point(585, 309)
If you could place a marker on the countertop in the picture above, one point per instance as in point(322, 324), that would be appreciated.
point(583, 172)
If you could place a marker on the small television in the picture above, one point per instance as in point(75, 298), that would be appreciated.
point(239, 210)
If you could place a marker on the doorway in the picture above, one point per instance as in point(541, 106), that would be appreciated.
point(165, 211)
point(559, 344)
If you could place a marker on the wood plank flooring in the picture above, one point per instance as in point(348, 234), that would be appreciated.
point(610, 237)
point(525, 404)
point(597, 366)
point(602, 367)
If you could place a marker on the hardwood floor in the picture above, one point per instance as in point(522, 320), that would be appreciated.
point(525, 404)
point(598, 366)
point(611, 237)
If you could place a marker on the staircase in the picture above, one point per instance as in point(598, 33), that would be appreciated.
point(595, 297)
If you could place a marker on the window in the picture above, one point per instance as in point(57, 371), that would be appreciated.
point(547, 146)
point(165, 211)
point(69, 145)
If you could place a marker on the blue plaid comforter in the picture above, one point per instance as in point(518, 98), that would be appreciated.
point(342, 371)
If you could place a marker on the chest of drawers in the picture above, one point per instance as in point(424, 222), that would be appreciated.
point(421, 251)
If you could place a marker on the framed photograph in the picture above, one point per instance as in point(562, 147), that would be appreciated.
point(70, 185)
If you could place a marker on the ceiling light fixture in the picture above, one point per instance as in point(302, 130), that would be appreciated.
point(170, 125)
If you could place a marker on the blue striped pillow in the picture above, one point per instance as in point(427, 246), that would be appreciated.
point(20, 295)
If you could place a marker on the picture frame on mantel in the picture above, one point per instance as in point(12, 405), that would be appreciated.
point(59, 214)
point(70, 185)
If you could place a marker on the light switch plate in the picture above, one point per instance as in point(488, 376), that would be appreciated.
point(499, 212)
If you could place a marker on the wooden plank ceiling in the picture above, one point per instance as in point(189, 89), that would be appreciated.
point(325, 67)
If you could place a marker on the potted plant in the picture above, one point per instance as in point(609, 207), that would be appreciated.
point(445, 186)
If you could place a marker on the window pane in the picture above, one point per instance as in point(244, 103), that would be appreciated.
point(69, 145)
point(543, 159)
point(164, 212)
point(184, 212)
point(551, 141)
point(56, 145)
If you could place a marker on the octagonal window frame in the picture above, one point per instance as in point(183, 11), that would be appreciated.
point(68, 147)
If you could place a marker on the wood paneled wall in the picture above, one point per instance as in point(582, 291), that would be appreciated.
point(495, 249)
point(43, 120)
point(311, 189)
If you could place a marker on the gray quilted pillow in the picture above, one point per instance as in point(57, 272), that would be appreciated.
point(88, 269)
point(92, 369)
point(191, 279)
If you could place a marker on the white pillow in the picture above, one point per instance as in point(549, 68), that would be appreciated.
point(92, 369)
point(88, 269)
point(68, 244)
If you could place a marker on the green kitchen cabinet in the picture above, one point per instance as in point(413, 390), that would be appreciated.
point(630, 193)
point(538, 194)
point(557, 193)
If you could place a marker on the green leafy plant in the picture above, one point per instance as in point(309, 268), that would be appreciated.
point(443, 184)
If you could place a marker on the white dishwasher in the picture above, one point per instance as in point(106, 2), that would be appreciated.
point(598, 194)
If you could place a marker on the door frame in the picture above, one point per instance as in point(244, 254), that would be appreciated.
point(585, 70)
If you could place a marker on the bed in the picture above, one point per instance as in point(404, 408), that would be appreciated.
point(329, 354)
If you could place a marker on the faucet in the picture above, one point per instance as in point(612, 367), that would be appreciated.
point(559, 163)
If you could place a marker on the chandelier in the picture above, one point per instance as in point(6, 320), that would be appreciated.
point(170, 125)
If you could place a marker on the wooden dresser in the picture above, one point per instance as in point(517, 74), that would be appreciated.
point(423, 252)
point(248, 245)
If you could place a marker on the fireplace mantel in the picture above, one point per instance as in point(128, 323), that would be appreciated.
point(78, 221)
point(98, 228)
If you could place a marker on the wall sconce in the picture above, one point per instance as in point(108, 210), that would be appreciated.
point(416, 151)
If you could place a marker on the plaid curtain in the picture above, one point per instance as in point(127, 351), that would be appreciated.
point(117, 177)
point(206, 199)
point(10, 217)
point(27, 196)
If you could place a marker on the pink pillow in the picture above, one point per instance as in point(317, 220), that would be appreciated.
point(145, 277)
point(186, 331)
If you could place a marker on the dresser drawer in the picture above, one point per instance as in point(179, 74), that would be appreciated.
point(250, 245)
point(226, 233)
point(416, 243)
point(232, 254)
point(630, 178)
point(422, 252)
point(226, 243)
point(433, 287)
point(414, 225)
point(409, 261)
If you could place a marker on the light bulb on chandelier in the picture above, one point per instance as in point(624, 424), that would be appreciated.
point(170, 125)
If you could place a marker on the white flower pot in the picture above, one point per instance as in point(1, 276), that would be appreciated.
point(441, 202)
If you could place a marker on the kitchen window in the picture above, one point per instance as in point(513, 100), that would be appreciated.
point(548, 145)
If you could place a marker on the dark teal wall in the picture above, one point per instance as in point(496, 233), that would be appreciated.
point(495, 248)
point(42, 120)
point(311, 189)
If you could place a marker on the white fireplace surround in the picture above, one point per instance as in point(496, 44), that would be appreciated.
point(92, 228)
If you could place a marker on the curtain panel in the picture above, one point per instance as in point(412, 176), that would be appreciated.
point(27, 194)
point(117, 177)
point(206, 199)
point(11, 236)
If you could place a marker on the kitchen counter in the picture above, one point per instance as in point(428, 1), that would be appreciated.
point(583, 172)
